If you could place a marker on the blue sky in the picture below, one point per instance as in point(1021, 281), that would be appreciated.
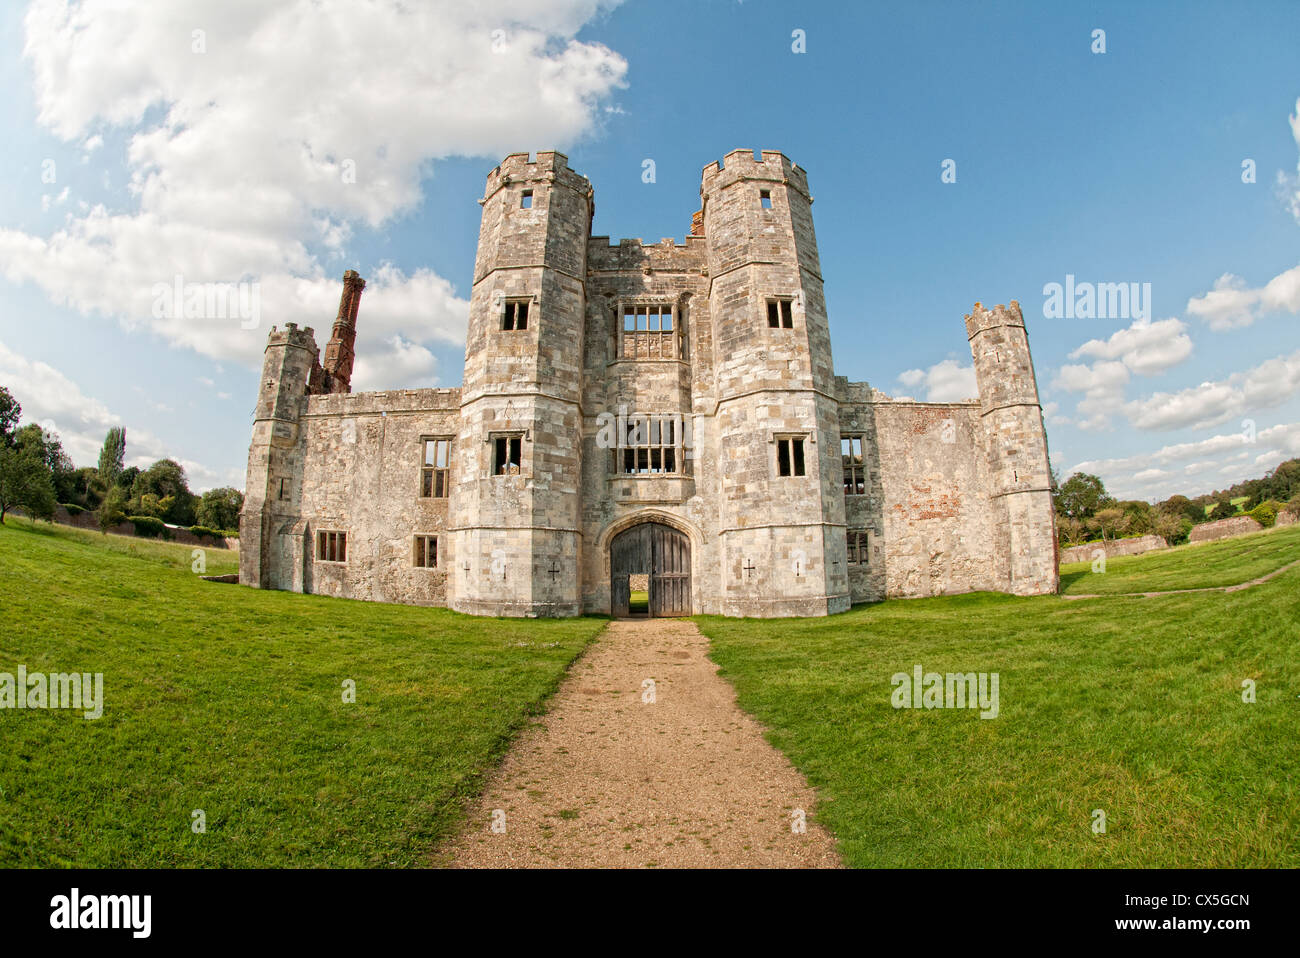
point(222, 164)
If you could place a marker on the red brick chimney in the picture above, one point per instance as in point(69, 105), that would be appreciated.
point(340, 351)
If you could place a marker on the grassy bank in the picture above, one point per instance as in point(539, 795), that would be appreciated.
point(230, 700)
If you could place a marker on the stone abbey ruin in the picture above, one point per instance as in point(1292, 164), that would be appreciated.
point(667, 411)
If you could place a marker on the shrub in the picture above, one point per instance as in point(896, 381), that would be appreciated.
point(149, 527)
point(1265, 513)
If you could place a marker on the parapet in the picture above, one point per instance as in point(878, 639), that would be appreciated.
point(383, 402)
point(739, 165)
point(633, 254)
point(550, 166)
point(291, 335)
point(981, 318)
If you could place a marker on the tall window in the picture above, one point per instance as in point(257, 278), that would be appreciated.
point(516, 315)
point(507, 455)
point(650, 445)
point(765, 199)
point(426, 552)
point(789, 456)
point(648, 332)
point(526, 200)
point(859, 547)
point(332, 546)
point(780, 313)
point(435, 473)
point(855, 481)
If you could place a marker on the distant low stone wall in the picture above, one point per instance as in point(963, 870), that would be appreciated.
point(1224, 529)
point(1286, 518)
point(1113, 548)
point(179, 534)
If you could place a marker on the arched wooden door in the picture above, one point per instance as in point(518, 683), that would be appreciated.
point(657, 551)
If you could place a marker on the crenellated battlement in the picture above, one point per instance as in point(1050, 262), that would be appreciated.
point(740, 165)
point(550, 166)
point(635, 254)
point(981, 318)
point(291, 335)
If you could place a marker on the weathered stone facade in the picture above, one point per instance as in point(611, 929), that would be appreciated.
point(612, 384)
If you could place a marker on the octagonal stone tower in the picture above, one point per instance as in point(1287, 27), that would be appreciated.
point(781, 503)
point(515, 511)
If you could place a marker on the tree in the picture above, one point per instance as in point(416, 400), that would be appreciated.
point(1111, 522)
point(165, 479)
point(44, 445)
point(88, 489)
point(25, 482)
point(113, 509)
point(1181, 506)
point(126, 478)
point(219, 508)
point(112, 455)
point(1222, 510)
point(1081, 496)
point(1173, 527)
point(10, 413)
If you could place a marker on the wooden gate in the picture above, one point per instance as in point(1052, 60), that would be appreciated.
point(662, 553)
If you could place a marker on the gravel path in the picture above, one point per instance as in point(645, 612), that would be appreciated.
point(606, 779)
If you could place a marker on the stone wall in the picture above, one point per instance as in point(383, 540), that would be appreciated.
point(1112, 548)
point(1224, 529)
point(177, 534)
point(362, 472)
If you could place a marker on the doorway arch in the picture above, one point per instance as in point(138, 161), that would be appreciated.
point(663, 555)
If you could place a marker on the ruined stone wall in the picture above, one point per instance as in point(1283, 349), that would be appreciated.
point(362, 459)
point(1223, 529)
point(1112, 548)
point(933, 529)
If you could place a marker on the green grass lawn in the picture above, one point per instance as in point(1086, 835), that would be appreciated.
point(1128, 705)
point(229, 700)
point(1226, 562)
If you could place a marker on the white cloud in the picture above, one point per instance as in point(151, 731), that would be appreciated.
point(1269, 384)
point(1289, 187)
point(1193, 468)
point(946, 381)
point(1102, 384)
point(1231, 303)
point(237, 167)
point(50, 398)
point(1146, 348)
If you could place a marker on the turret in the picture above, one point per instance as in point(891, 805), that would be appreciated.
point(515, 495)
point(272, 482)
point(1016, 444)
point(778, 419)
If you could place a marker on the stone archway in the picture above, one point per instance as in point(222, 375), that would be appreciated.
point(663, 555)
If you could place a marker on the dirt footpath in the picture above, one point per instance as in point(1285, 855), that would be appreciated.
point(624, 773)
